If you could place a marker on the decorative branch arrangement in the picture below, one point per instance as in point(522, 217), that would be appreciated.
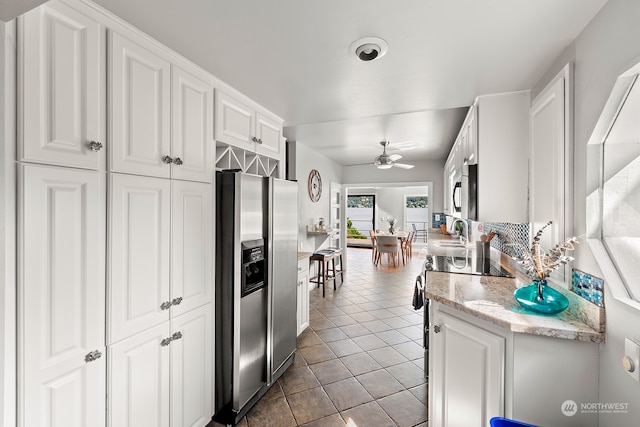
point(391, 220)
point(538, 264)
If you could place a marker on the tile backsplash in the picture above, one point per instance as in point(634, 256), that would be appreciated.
point(588, 287)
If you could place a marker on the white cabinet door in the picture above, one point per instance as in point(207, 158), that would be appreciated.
point(269, 135)
point(234, 122)
point(61, 78)
point(61, 309)
point(139, 380)
point(191, 248)
point(139, 114)
point(303, 296)
point(467, 374)
point(192, 117)
point(469, 134)
point(191, 368)
point(139, 254)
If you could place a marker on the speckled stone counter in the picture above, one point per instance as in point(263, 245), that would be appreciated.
point(303, 255)
point(491, 299)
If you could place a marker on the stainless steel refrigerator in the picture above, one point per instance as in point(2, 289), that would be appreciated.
point(255, 290)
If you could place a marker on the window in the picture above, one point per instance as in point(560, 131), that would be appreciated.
point(621, 191)
point(416, 211)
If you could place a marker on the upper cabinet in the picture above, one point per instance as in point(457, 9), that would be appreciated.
point(161, 116)
point(494, 137)
point(61, 71)
point(242, 125)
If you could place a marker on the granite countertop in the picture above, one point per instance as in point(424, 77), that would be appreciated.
point(491, 299)
point(303, 255)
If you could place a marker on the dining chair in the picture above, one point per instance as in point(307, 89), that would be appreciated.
point(419, 233)
point(389, 245)
point(407, 246)
point(374, 249)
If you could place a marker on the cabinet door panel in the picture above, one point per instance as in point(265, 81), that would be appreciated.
point(191, 368)
point(139, 380)
point(468, 372)
point(192, 115)
point(270, 133)
point(139, 92)
point(191, 249)
point(61, 87)
point(303, 300)
point(139, 254)
point(61, 296)
point(234, 122)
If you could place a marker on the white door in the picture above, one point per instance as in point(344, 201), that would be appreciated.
point(192, 144)
point(467, 375)
point(139, 95)
point(269, 135)
point(61, 311)
point(139, 254)
point(139, 380)
point(234, 122)
point(192, 368)
point(303, 297)
point(61, 76)
point(191, 247)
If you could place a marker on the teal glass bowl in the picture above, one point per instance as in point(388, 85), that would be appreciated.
point(550, 302)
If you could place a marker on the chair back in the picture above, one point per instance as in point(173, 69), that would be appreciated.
point(372, 235)
point(388, 244)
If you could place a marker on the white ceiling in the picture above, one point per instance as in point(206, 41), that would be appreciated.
point(292, 57)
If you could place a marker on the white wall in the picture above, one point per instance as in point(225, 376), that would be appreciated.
point(308, 211)
point(426, 171)
point(606, 48)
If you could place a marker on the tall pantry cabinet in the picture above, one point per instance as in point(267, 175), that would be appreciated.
point(114, 235)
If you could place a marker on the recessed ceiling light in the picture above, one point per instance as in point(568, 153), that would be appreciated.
point(368, 48)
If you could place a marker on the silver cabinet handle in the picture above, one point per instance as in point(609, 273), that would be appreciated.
point(165, 342)
point(259, 141)
point(165, 305)
point(436, 329)
point(177, 161)
point(94, 355)
point(95, 146)
point(168, 160)
point(176, 301)
point(176, 336)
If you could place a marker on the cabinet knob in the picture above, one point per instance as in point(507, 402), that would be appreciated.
point(95, 146)
point(168, 160)
point(436, 329)
point(165, 342)
point(176, 301)
point(94, 355)
point(259, 141)
point(176, 336)
point(254, 139)
point(177, 161)
point(166, 305)
point(628, 364)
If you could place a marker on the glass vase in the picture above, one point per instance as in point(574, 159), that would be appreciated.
point(391, 229)
point(541, 298)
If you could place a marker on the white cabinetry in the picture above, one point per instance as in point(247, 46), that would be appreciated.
point(303, 295)
point(148, 278)
point(467, 372)
point(494, 136)
point(490, 371)
point(61, 304)
point(61, 87)
point(149, 98)
point(164, 374)
point(452, 176)
point(243, 126)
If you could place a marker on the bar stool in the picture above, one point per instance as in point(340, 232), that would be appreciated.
point(326, 267)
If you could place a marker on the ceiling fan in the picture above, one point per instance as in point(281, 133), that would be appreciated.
point(386, 161)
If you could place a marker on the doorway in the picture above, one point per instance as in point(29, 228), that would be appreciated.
point(361, 214)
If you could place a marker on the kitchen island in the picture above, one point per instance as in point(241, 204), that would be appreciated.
point(489, 357)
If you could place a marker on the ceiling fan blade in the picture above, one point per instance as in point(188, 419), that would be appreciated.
point(394, 157)
point(402, 165)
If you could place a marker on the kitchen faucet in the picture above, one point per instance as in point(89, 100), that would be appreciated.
point(465, 227)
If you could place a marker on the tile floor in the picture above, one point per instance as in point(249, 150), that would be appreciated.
point(360, 362)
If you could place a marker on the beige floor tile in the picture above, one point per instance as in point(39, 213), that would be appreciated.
point(330, 371)
point(404, 408)
point(311, 405)
point(369, 414)
point(347, 393)
point(379, 383)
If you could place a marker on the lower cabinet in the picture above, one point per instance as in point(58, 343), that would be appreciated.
point(467, 381)
point(303, 295)
point(478, 370)
point(163, 376)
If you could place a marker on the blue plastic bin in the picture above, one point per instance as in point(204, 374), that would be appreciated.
point(504, 422)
